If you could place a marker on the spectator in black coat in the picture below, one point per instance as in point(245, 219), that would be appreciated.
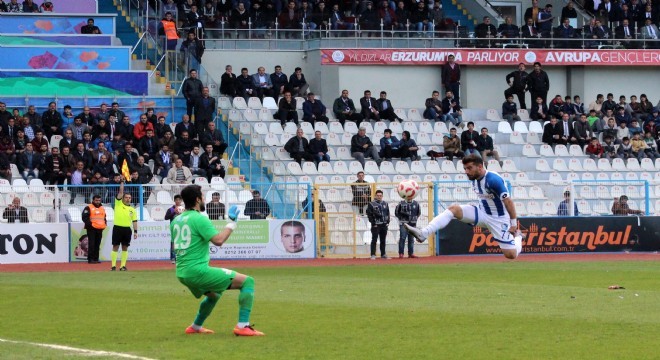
point(228, 82)
point(298, 147)
point(538, 83)
point(204, 111)
point(318, 147)
point(257, 208)
point(192, 90)
point(314, 110)
point(287, 109)
point(214, 137)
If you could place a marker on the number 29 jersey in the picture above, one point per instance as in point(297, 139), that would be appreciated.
point(191, 233)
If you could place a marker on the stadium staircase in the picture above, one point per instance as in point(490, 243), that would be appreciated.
point(455, 11)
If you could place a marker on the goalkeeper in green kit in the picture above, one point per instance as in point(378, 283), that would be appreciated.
point(191, 233)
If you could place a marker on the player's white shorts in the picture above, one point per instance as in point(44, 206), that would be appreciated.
point(498, 225)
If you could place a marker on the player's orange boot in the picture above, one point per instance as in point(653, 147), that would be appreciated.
point(247, 331)
point(191, 330)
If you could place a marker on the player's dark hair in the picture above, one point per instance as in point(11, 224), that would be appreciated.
point(190, 194)
point(473, 159)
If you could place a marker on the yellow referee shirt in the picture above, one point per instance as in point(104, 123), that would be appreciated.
point(124, 215)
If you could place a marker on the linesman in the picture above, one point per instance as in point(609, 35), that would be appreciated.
point(125, 216)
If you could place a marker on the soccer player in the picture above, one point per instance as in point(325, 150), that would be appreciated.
point(125, 216)
point(496, 210)
point(191, 233)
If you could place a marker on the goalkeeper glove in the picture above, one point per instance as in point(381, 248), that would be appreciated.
point(233, 213)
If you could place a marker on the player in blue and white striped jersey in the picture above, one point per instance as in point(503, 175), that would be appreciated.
point(495, 210)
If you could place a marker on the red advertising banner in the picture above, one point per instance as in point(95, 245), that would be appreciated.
point(487, 57)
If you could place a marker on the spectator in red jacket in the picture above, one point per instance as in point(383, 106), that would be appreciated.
point(140, 129)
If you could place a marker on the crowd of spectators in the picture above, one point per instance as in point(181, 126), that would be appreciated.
point(93, 146)
point(26, 6)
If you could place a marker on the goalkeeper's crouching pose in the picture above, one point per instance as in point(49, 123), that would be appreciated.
point(191, 233)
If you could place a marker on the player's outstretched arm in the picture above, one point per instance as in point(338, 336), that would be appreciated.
point(511, 209)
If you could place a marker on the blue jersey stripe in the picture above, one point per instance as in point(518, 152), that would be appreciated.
point(491, 190)
point(484, 203)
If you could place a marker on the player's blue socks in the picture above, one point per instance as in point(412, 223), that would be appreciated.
point(205, 308)
point(245, 299)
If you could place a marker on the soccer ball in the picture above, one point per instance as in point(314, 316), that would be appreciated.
point(408, 189)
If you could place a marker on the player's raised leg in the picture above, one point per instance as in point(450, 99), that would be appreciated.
point(439, 222)
point(245, 284)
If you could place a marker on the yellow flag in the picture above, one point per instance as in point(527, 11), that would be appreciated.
point(125, 171)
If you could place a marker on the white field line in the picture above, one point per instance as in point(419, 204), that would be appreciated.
point(85, 352)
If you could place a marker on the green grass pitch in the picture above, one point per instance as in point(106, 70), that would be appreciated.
point(513, 310)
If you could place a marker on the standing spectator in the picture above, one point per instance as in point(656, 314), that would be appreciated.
point(15, 212)
point(510, 111)
point(361, 147)
point(262, 83)
point(318, 147)
point(125, 216)
point(29, 163)
point(228, 82)
point(52, 120)
point(192, 49)
point(314, 110)
point(620, 207)
point(90, 28)
point(279, 81)
point(378, 213)
point(192, 90)
point(538, 83)
point(204, 111)
point(562, 209)
point(215, 209)
point(451, 77)
point(286, 109)
point(95, 221)
point(452, 145)
point(517, 81)
point(485, 146)
point(544, 21)
point(170, 214)
point(297, 83)
point(5, 115)
point(407, 211)
point(214, 137)
point(167, 27)
point(298, 147)
point(533, 11)
point(385, 108)
point(344, 109)
point(361, 193)
point(52, 214)
point(369, 107)
point(179, 174)
point(594, 149)
point(469, 139)
point(211, 162)
point(257, 208)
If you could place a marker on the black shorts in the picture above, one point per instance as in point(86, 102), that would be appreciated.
point(121, 236)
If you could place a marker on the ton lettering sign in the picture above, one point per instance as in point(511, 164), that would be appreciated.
point(34, 243)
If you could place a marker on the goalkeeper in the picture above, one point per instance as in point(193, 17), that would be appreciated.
point(191, 233)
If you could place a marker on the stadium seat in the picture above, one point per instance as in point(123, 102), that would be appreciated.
point(254, 103)
point(645, 176)
point(294, 168)
point(417, 167)
point(354, 167)
point(239, 103)
point(493, 115)
point(279, 168)
point(369, 129)
point(224, 103)
point(460, 194)
point(508, 166)
point(333, 139)
point(20, 186)
point(384, 178)
point(494, 165)
point(30, 199)
point(590, 165)
point(617, 191)
point(401, 114)
point(164, 197)
point(520, 192)
point(424, 139)
point(309, 168)
point(555, 178)
point(587, 176)
point(536, 127)
point(426, 127)
point(529, 151)
point(603, 192)
point(351, 127)
point(584, 207)
point(572, 177)
point(403, 168)
point(290, 128)
point(520, 127)
point(600, 208)
point(533, 138)
point(534, 208)
point(516, 138)
point(267, 154)
point(335, 127)
point(339, 167)
point(559, 165)
point(657, 164)
point(46, 199)
point(38, 215)
point(158, 213)
point(522, 179)
point(601, 176)
point(575, 165)
point(503, 127)
point(617, 178)
point(37, 186)
point(440, 127)
point(546, 151)
point(408, 126)
point(618, 165)
point(322, 127)
point(432, 167)
point(604, 165)
point(430, 178)
point(379, 127)
point(521, 209)
point(266, 115)
point(342, 153)
point(508, 178)
point(647, 165)
point(448, 167)
point(281, 154)
point(631, 176)
point(561, 150)
point(251, 115)
point(346, 139)
point(575, 150)
point(549, 208)
point(387, 168)
point(634, 192)
point(55, 141)
point(445, 195)
point(524, 115)
point(633, 165)
point(414, 115)
point(76, 215)
point(536, 192)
